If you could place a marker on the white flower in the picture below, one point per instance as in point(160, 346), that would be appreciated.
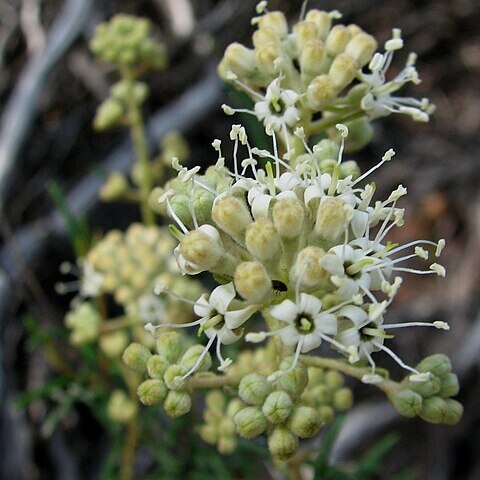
point(91, 281)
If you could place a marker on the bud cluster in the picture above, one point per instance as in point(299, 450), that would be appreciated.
point(84, 322)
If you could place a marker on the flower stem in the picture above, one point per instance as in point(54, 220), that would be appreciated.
point(210, 380)
point(323, 124)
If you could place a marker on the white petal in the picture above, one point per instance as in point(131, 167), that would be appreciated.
point(227, 336)
point(289, 336)
point(289, 97)
point(309, 304)
point(184, 265)
point(326, 323)
point(237, 318)
point(312, 192)
point(357, 315)
point(332, 264)
point(260, 206)
point(221, 297)
point(202, 308)
point(286, 311)
point(211, 231)
point(310, 341)
point(291, 116)
point(359, 223)
point(262, 110)
point(349, 337)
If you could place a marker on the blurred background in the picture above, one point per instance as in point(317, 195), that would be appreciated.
point(50, 87)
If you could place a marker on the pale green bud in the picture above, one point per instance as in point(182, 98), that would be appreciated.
point(304, 32)
point(170, 346)
point(250, 422)
point(252, 282)
point(136, 357)
point(361, 48)
point(438, 364)
point(277, 407)
point(114, 188)
point(295, 381)
point(237, 59)
point(322, 20)
point(157, 366)
point(337, 40)
point(343, 399)
point(360, 134)
point(288, 217)
point(109, 114)
point(434, 409)
point(113, 344)
point(282, 443)
point(311, 58)
point(254, 389)
point(174, 145)
point(152, 392)
point(120, 407)
point(407, 402)
point(323, 394)
point(231, 215)
point(326, 414)
point(333, 216)
point(276, 21)
point(172, 377)
point(177, 403)
point(262, 240)
point(334, 379)
point(227, 427)
point(199, 248)
point(449, 386)
point(209, 434)
point(226, 445)
point(265, 56)
point(304, 422)
point(342, 71)
point(428, 388)
point(321, 92)
point(191, 356)
point(308, 267)
point(454, 412)
point(264, 35)
point(233, 407)
point(140, 92)
point(215, 400)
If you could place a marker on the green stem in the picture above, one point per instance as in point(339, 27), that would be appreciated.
point(209, 380)
point(325, 123)
point(119, 323)
point(139, 140)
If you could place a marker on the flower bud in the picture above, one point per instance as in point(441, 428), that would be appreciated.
point(169, 346)
point(282, 443)
point(108, 115)
point(191, 356)
point(342, 399)
point(407, 402)
point(276, 21)
point(201, 249)
point(323, 394)
point(337, 40)
point(321, 92)
point(438, 364)
point(152, 392)
point(250, 422)
point(172, 377)
point(226, 445)
point(304, 32)
point(114, 188)
point(254, 389)
point(360, 134)
point(333, 217)
point(264, 35)
point(277, 407)
point(237, 59)
point(120, 407)
point(326, 414)
point(288, 217)
point(454, 412)
point(334, 379)
point(113, 344)
point(136, 357)
point(233, 407)
point(426, 389)
point(262, 240)
point(304, 422)
point(434, 409)
point(449, 385)
point(177, 403)
point(252, 282)
point(311, 58)
point(231, 215)
point(265, 56)
point(361, 48)
point(295, 381)
point(215, 400)
point(342, 71)
point(308, 267)
point(322, 20)
point(209, 434)
point(157, 366)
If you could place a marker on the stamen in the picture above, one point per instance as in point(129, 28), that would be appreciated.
point(437, 324)
point(199, 359)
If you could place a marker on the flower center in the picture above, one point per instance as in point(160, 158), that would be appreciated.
point(371, 331)
point(277, 106)
point(304, 323)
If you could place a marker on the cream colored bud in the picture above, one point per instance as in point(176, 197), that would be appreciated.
point(226, 445)
point(342, 71)
point(152, 392)
point(337, 40)
point(277, 407)
point(252, 281)
point(321, 92)
point(177, 403)
point(231, 215)
point(200, 249)
point(304, 422)
point(173, 377)
point(308, 267)
point(322, 20)
point(361, 48)
point(265, 56)
point(264, 36)
point(333, 217)
point(237, 59)
point(250, 422)
point(326, 414)
point(254, 389)
point(276, 21)
point(282, 443)
point(114, 188)
point(354, 30)
point(191, 356)
point(169, 346)
point(113, 344)
point(334, 379)
point(157, 366)
point(262, 239)
point(288, 217)
point(120, 408)
point(136, 357)
point(209, 434)
point(304, 32)
point(311, 58)
point(343, 399)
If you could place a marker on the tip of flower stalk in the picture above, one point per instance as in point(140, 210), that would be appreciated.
point(440, 247)
point(227, 109)
point(216, 144)
point(353, 354)
point(388, 155)
point(159, 289)
point(149, 327)
point(299, 132)
point(163, 198)
point(420, 377)
point(225, 365)
point(421, 252)
point(275, 376)
point(441, 325)
point(375, 310)
point(231, 76)
point(335, 15)
point(372, 379)
point(261, 7)
point(255, 337)
point(438, 269)
point(343, 129)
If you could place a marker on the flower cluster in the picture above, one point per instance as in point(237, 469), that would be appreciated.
point(318, 67)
